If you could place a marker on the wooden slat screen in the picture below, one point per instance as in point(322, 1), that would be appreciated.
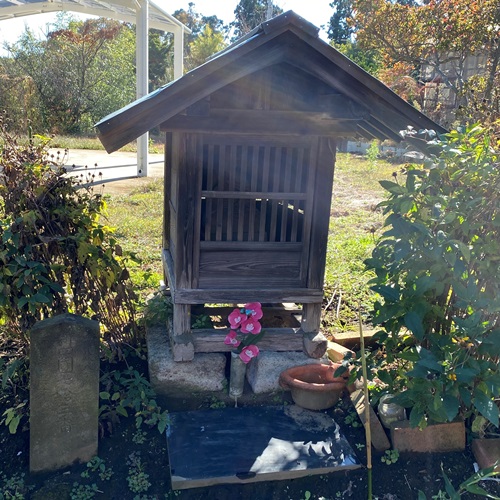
point(254, 191)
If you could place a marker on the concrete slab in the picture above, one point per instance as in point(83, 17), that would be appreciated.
point(243, 445)
point(206, 373)
point(264, 371)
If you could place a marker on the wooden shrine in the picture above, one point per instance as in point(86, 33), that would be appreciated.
point(250, 152)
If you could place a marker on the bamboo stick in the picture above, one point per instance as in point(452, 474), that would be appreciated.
point(368, 433)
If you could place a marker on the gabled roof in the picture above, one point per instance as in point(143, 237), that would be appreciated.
point(287, 38)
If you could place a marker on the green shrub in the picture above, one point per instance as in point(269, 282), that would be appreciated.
point(437, 267)
point(55, 255)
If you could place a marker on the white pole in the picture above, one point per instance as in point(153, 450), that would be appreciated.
point(142, 63)
point(178, 52)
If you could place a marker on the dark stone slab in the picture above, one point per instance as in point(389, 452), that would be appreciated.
point(241, 445)
point(64, 392)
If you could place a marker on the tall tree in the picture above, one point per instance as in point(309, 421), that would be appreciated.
point(203, 46)
point(340, 29)
point(437, 39)
point(249, 14)
point(212, 31)
point(81, 71)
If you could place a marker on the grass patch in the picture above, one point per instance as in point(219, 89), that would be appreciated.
point(156, 144)
point(138, 219)
point(354, 225)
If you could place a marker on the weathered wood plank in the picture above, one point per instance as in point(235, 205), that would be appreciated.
point(270, 122)
point(168, 268)
point(242, 223)
point(275, 339)
point(310, 170)
point(321, 212)
point(167, 183)
point(251, 246)
point(240, 295)
point(286, 187)
point(252, 195)
point(265, 188)
point(311, 318)
point(274, 202)
point(226, 267)
point(210, 183)
point(220, 205)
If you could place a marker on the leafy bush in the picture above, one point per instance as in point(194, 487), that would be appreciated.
point(437, 267)
point(55, 255)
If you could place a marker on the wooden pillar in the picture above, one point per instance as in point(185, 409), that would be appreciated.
point(181, 337)
point(314, 342)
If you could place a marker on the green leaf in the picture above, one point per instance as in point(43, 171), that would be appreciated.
point(388, 292)
point(22, 302)
point(413, 322)
point(162, 425)
point(466, 375)
point(451, 406)
point(465, 394)
point(122, 411)
point(104, 395)
point(416, 416)
point(464, 250)
point(486, 406)
point(477, 490)
point(40, 297)
point(421, 495)
point(13, 424)
point(392, 187)
point(409, 355)
point(452, 492)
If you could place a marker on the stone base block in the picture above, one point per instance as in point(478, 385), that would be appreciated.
point(264, 371)
point(205, 373)
point(487, 452)
point(435, 438)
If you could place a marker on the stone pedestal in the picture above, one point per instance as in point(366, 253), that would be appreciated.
point(64, 392)
point(204, 373)
point(264, 371)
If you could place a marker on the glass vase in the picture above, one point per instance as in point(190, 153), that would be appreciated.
point(236, 376)
point(390, 412)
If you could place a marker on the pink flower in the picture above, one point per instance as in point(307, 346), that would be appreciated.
point(231, 339)
point(250, 325)
point(236, 318)
point(248, 353)
point(253, 309)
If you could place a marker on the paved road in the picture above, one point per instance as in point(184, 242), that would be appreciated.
point(116, 171)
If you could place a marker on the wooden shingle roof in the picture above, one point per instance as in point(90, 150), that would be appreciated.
point(288, 39)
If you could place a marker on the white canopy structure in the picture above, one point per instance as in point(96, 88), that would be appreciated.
point(144, 13)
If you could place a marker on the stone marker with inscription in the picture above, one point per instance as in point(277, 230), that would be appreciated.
point(64, 392)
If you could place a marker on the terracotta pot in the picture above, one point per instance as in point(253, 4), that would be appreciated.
point(487, 452)
point(313, 386)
